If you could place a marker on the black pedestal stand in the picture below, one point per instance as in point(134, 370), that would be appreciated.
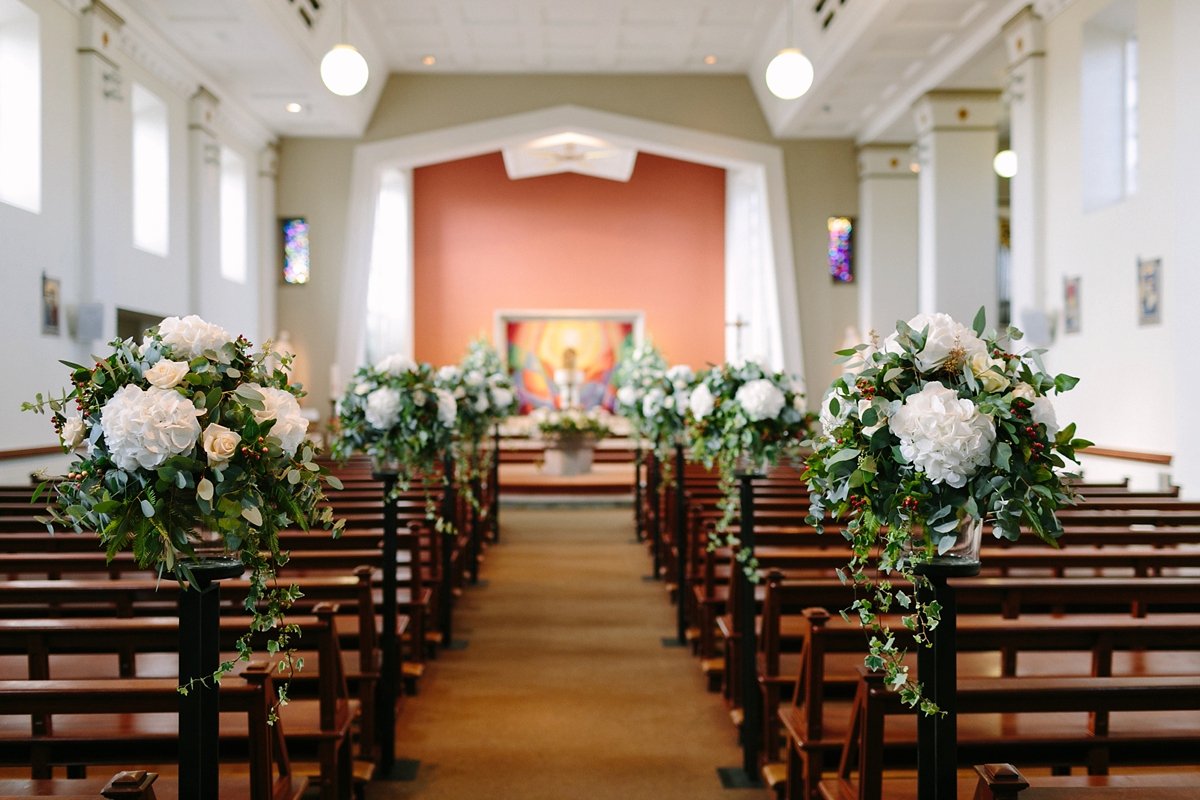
point(476, 534)
point(199, 658)
point(389, 644)
point(639, 520)
point(494, 486)
point(654, 516)
point(681, 547)
point(449, 542)
point(937, 668)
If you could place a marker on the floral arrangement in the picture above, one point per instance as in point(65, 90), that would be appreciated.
point(191, 431)
point(396, 413)
point(934, 430)
point(485, 397)
point(572, 425)
point(644, 370)
point(744, 416)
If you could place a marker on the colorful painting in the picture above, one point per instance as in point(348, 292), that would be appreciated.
point(841, 249)
point(542, 353)
point(295, 251)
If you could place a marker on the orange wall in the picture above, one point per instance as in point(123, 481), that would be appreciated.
point(484, 242)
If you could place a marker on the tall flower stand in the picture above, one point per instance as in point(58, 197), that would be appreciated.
point(389, 642)
point(937, 734)
point(199, 658)
point(681, 549)
point(448, 542)
point(748, 776)
point(494, 486)
point(654, 516)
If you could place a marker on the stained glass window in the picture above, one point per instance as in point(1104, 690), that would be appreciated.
point(841, 263)
point(295, 250)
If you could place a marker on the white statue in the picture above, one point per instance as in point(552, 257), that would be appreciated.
point(569, 381)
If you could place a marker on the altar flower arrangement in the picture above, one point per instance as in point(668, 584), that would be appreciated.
point(191, 431)
point(399, 414)
point(571, 426)
point(938, 429)
point(744, 416)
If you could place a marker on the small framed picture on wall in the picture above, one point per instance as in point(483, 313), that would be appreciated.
point(1072, 321)
point(1150, 291)
point(51, 298)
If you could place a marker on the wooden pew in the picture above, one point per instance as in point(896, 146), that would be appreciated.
point(1005, 782)
point(990, 713)
point(252, 694)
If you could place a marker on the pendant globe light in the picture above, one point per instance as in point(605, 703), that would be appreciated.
point(343, 69)
point(790, 73)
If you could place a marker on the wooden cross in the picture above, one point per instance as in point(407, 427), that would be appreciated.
point(738, 324)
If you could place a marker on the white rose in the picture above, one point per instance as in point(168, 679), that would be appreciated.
point(702, 401)
point(191, 336)
point(481, 404)
point(447, 407)
point(220, 443)
point(474, 378)
point(73, 431)
point(290, 425)
point(460, 392)
point(943, 435)
point(992, 380)
point(760, 399)
point(449, 373)
point(502, 398)
point(799, 404)
point(145, 428)
point(681, 376)
point(419, 397)
point(829, 420)
point(627, 396)
point(1043, 414)
point(383, 408)
point(944, 336)
point(683, 398)
point(653, 402)
point(166, 374)
point(364, 388)
point(396, 365)
point(1024, 391)
point(669, 402)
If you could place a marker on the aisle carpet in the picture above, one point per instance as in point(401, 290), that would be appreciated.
point(565, 689)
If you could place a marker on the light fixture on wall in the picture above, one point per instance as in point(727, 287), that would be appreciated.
point(790, 73)
point(343, 69)
point(1005, 163)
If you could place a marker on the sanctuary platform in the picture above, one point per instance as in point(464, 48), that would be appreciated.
point(523, 482)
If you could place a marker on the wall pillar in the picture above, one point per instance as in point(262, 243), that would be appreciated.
point(268, 242)
point(204, 213)
point(1023, 40)
point(957, 203)
point(886, 238)
point(101, 122)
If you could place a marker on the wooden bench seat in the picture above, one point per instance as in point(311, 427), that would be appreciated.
point(165, 788)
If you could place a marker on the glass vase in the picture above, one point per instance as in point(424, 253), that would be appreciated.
point(960, 559)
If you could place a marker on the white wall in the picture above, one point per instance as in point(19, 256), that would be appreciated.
point(1126, 396)
point(84, 232)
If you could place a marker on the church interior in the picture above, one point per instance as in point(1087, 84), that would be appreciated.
point(527, 399)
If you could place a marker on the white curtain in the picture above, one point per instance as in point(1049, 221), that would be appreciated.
point(389, 301)
point(752, 329)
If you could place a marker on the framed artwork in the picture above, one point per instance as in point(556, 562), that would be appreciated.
point(841, 249)
point(1072, 320)
point(295, 251)
point(51, 300)
point(1149, 291)
point(566, 358)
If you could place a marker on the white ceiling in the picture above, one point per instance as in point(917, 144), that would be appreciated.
point(872, 58)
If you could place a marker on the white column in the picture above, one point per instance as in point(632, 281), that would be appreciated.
point(103, 120)
point(957, 203)
point(886, 238)
point(204, 213)
point(1024, 43)
point(268, 242)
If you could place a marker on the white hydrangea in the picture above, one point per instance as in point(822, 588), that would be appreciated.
point(652, 403)
point(702, 401)
point(681, 376)
point(290, 425)
point(760, 399)
point(1043, 413)
point(383, 408)
point(145, 428)
point(396, 364)
point(189, 337)
point(627, 396)
point(482, 403)
point(475, 378)
point(449, 373)
point(944, 335)
point(943, 435)
point(447, 407)
point(502, 398)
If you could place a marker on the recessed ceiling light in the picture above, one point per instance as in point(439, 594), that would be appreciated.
point(295, 108)
point(429, 61)
point(710, 59)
